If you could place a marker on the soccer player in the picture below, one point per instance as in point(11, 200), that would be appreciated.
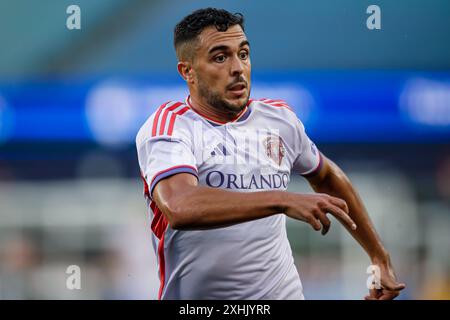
point(216, 168)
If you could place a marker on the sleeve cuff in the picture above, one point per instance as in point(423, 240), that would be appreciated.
point(170, 172)
point(316, 170)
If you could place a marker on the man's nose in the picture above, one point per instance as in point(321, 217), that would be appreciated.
point(237, 66)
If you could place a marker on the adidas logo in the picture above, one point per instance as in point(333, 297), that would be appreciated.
point(219, 150)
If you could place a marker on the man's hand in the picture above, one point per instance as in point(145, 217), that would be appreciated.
point(333, 181)
point(312, 208)
point(390, 288)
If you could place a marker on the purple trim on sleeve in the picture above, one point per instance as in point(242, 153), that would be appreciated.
point(316, 170)
point(170, 172)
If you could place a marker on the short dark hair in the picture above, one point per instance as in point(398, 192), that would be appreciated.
point(193, 24)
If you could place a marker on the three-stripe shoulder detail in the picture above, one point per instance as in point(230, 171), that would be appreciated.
point(275, 103)
point(165, 116)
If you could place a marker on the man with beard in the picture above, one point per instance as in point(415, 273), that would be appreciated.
point(216, 168)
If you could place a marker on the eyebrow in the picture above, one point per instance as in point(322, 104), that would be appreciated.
point(222, 47)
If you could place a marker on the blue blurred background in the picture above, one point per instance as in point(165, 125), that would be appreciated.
point(71, 101)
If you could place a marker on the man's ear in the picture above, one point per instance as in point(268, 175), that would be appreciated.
point(186, 71)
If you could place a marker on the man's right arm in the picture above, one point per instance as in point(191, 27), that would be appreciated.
point(188, 206)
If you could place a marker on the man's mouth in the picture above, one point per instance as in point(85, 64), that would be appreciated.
point(238, 88)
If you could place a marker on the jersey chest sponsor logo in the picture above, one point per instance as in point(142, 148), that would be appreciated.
point(218, 179)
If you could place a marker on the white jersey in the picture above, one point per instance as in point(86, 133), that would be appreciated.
point(255, 152)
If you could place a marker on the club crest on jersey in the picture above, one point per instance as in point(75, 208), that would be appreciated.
point(275, 149)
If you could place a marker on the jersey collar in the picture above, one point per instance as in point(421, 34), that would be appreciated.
point(240, 117)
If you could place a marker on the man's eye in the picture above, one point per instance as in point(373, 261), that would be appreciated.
point(220, 58)
point(243, 55)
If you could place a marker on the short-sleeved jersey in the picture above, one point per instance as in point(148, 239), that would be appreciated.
point(255, 152)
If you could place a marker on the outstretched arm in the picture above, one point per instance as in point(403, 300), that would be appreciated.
point(187, 205)
point(333, 181)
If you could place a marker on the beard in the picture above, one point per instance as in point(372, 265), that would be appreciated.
point(216, 100)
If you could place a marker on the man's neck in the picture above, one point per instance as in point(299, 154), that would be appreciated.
point(211, 113)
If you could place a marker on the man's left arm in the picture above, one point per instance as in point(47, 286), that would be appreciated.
point(330, 179)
